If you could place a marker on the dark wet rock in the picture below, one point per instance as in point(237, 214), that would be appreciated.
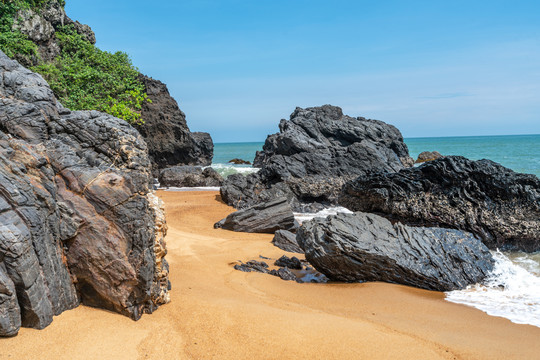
point(237, 161)
point(367, 247)
point(166, 132)
point(291, 263)
point(317, 151)
point(189, 176)
point(77, 219)
point(262, 218)
point(427, 156)
point(286, 240)
point(285, 274)
point(498, 205)
point(253, 266)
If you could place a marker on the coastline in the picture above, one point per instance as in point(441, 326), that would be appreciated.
point(218, 312)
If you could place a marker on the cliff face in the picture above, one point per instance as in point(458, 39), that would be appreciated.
point(77, 220)
point(165, 130)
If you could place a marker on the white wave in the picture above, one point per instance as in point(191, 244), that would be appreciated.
point(201, 188)
point(301, 217)
point(510, 291)
point(229, 169)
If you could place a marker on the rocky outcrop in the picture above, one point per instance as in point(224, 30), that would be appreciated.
point(166, 131)
point(189, 176)
point(261, 218)
point(77, 222)
point(427, 156)
point(314, 154)
point(41, 26)
point(367, 247)
point(498, 205)
point(286, 240)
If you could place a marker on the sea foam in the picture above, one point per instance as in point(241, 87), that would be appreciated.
point(228, 169)
point(512, 290)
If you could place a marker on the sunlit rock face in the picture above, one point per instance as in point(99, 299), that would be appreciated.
point(77, 220)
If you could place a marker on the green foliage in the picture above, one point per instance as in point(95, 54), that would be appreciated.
point(14, 43)
point(84, 77)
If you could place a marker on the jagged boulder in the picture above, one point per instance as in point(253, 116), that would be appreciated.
point(498, 205)
point(261, 218)
point(166, 132)
point(77, 219)
point(314, 154)
point(367, 247)
point(189, 176)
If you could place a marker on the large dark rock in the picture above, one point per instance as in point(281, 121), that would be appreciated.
point(77, 219)
point(498, 205)
point(314, 154)
point(367, 247)
point(166, 132)
point(261, 218)
point(189, 176)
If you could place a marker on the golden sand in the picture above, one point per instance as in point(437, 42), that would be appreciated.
point(220, 313)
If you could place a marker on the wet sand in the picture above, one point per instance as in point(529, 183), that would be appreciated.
point(217, 312)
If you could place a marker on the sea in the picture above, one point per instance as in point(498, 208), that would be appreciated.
point(512, 290)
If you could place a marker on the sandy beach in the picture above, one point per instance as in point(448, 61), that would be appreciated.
point(217, 312)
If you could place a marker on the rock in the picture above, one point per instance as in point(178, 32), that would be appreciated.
point(284, 274)
point(239, 162)
point(498, 205)
point(253, 265)
point(262, 218)
point(291, 263)
point(286, 240)
point(315, 153)
point(40, 27)
point(427, 156)
point(166, 132)
point(10, 312)
point(189, 176)
point(367, 247)
point(76, 219)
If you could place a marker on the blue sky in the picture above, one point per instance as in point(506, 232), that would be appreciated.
point(431, 68)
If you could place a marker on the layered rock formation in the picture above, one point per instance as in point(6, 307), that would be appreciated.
point(314, 154)
point(77, 219)
point(261, 218)
point(367, 247)
point(165, 130)
point(189, 176)
point(493, 202)
point(286, 240)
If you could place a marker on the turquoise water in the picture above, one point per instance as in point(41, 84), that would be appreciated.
point(224, 152)
point(520, 153)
